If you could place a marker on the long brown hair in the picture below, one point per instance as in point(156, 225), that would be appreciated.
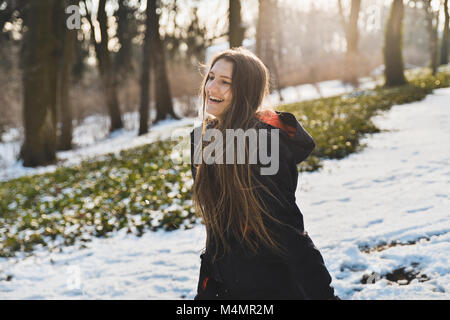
point(225, 194)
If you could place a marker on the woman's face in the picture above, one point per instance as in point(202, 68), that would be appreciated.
point(218, 87)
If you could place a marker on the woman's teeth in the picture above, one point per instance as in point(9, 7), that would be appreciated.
point(214, 99)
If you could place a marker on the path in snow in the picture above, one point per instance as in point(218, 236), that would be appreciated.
point(396, 189)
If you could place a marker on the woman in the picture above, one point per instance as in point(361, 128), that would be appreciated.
point(256, 247)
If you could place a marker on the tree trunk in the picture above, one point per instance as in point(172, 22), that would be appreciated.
point(107, 73)
point(432, 25)
point(236, 30)
point(68, 38)
point(145, 76)
point(163, 97)
point(259, 29)
point(445, 36)
point(81, 52)
point(351, 37)
point(39, 84)
point(126, 30)
point(266, 40)
point(393, 58)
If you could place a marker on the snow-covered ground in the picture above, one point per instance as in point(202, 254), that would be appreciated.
point(320, 90)
point(395, 190)
point(91, 138)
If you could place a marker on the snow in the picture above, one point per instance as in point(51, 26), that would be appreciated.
point(395, 190)
point(159, 265)
point(320, 90)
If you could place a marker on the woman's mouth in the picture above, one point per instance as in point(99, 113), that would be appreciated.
point(213, 99)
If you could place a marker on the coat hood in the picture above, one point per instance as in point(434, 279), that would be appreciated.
point(297, 139)
point(293, 136)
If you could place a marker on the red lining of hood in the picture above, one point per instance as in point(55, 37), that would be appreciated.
point(271, 117)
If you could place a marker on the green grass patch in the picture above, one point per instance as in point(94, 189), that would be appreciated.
point(142, 189)
point(139, 189)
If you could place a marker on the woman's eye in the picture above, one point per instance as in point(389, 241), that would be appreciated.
point(212, 78)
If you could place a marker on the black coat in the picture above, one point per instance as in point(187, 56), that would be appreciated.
point(299, 275)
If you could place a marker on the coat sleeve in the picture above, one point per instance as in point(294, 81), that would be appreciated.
point(303, 260)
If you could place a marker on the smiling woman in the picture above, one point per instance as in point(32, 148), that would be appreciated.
point(256, 247)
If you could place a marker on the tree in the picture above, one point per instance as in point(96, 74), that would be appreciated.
point(266, 40)
point(432, 28)
point(145, 75)
point(351, 37)
point(393, 58)
point(39, 82)
point(105, 64)
point(67, 49)
point(193, 36)
point(164, 105)
point(445, 36)
point(81, 53)
point(236, 29)
point(126, 30)
point(10, 75)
